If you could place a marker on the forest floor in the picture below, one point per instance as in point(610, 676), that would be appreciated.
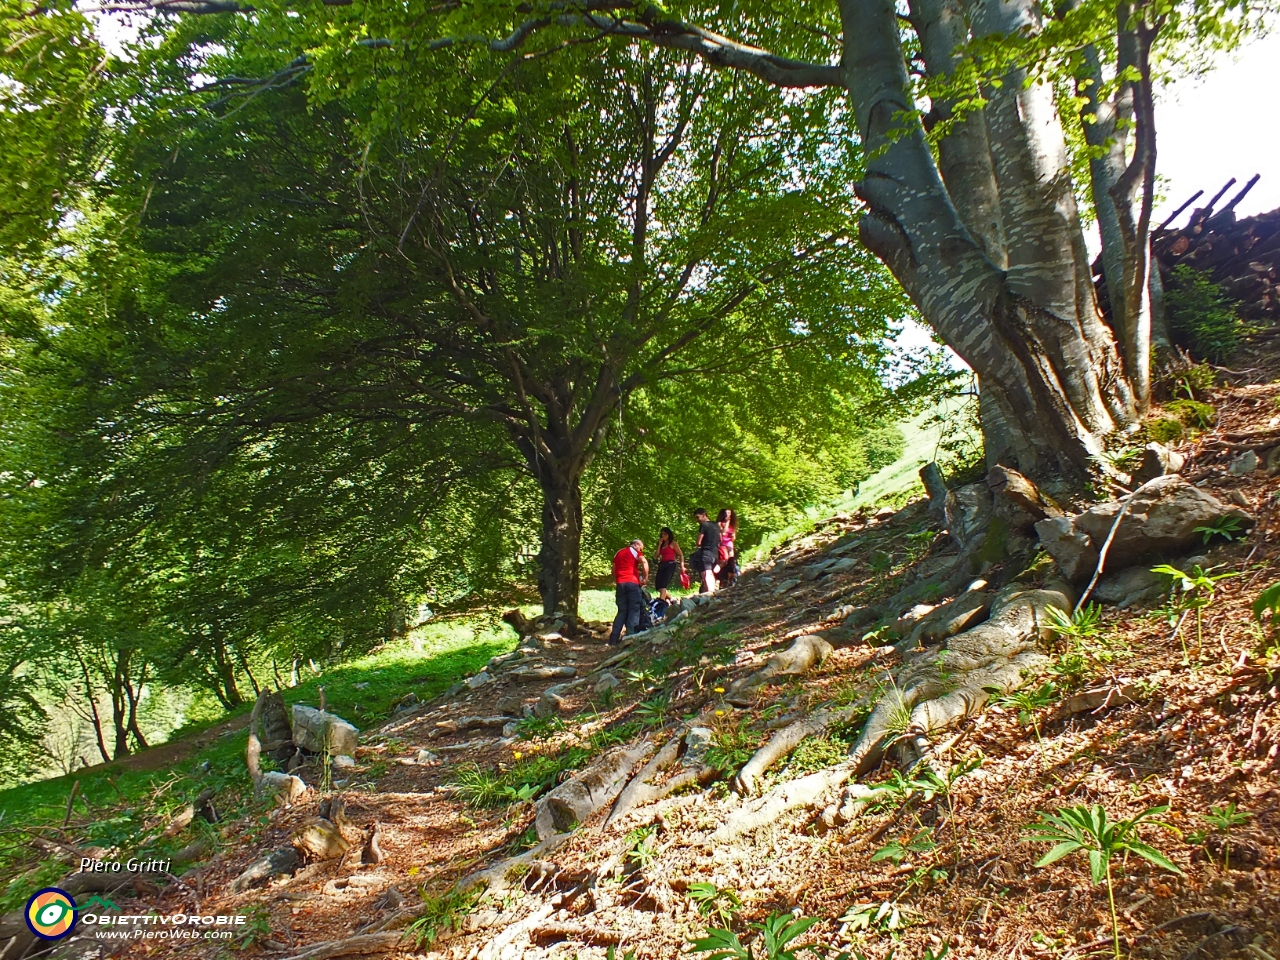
point(1147, 708)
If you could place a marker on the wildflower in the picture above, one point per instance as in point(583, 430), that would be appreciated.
point(517, 754)
point(719, 689)
point(719, 713)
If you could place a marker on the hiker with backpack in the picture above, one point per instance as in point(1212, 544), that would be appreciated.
point(630, 570)
point(728, 554)
point(670, 563)
point(706, 555)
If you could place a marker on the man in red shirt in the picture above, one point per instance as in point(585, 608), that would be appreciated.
point(630, 569)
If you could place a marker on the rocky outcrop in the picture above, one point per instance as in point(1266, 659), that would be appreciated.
point(1162, 516)
point(311, 727)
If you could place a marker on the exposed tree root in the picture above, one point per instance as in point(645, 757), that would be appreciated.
point(804, 654)
point(357, 946)
point(787, 739)
point(499, 876)
point(804, 792)
point(575, 800)
point(935, 690)
point(641, 790)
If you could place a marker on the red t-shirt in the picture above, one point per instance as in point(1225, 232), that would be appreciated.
point(626, 566)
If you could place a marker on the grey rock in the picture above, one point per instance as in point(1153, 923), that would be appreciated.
point(697, 742)
point(479, 680)
point(814, 570)
point(785, 585)
point(344, 762)
point(607, 681)
point(766, 579)
point(510, 706)
point(1158, 461)
point(1244, 464)
point(426, 756)
point(309, 725)
point(1126, 588)
point(1162, 518)
point(511, 729)
point(543, 673)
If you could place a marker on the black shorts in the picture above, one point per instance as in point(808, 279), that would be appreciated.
point(668, 570)
point(702, 562)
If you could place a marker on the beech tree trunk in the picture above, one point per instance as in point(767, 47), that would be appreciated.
point(986, 241)
point(558, 559)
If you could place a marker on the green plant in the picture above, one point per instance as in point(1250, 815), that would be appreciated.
point(478, 787)
point(640, 839)
point(777, 934)
point(441, 914)
point(1027, 702)
point(256, 928)
point(1223, 819)
point(712, 901)
point(539, 728)
point(1268, 602)
point(896, 850)
point(1071, 667)
point(612, 954)
point(732, 746)
point(652, 712)
point(1081, 624)
point(1198, 589)
point(1192, 413)
point(887, 917)
point(1201, 316)
point(1078, 828)
point(1227, 527)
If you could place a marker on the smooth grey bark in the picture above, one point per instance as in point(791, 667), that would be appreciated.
point(1032, 333)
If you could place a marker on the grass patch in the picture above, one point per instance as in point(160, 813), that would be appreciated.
point(119, 806)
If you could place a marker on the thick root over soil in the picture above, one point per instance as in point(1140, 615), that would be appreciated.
point(935, 690)
point(804, 654)
point(786, 740)
point(575, 800)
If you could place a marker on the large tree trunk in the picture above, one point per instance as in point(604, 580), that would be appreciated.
point(558, 560)
point(1011, 294)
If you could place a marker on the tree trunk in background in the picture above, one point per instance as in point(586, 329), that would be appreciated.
point(1012, 294)
point(559, 557)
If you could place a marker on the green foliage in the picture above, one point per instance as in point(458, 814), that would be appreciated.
point(1082, 624)
point(1268, 603)
point(776, 940)
point(722, 903)
point(1227, 527)
point(1192, 413)
point(733, 745)
point(1201, 316)
point(1088, 830)
point(1028, 702)
point(1224, 819)
point(641, 852)
point(1192, 591)
point(441, 914)
point(898, 850)
point(887, 916)
point(1165, 430)
point(524, 780)
point(257, 927)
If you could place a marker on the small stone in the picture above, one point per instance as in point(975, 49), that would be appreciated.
point(697, 742)
point(884, 513)
point(426, 756)
point(786, 585)
point(479, 680)
point(1239, 499)
point(1158, 461)
point(766, 579)
point(1244, 464)
point(607, 681)
point(362, 685)
point(344, 762)
point(510, 706)
point(511, 729)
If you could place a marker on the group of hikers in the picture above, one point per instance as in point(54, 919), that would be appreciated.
point(713, 559)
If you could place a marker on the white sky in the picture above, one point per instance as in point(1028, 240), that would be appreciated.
point(1219, 127)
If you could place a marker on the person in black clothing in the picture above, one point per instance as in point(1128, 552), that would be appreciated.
point(706, 554)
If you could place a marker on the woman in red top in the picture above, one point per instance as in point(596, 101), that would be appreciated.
point(670, 560)
point(728, 571)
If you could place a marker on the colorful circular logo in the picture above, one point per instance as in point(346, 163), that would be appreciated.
point(51, 913)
